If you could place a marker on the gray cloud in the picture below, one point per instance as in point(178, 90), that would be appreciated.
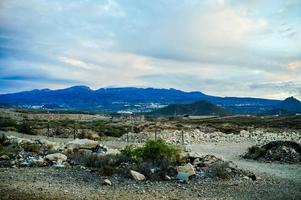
point(220, 47)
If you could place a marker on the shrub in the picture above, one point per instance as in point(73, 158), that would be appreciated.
point(32, 147)
point(26, 127)
point(6, 122)
point(219, 170)
point(3, 139)
point(107, 170)
point(158, 150)
point(132, 152)
point(152, 150)
point(255, 152)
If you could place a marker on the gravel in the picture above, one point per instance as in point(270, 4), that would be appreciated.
point(51, 183)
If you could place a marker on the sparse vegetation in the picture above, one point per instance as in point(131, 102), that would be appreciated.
point(7, 123)
point(280, 151)
point(152, 150)
point(220, 170)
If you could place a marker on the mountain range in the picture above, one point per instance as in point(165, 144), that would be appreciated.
point(131, 99)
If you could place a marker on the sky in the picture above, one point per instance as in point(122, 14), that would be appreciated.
point(225, 48)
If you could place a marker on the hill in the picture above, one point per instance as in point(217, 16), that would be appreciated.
point(196, 108)
point(290, 104)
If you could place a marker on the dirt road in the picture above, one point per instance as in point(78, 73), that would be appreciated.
point(232, 152)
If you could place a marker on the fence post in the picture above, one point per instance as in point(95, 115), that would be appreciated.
point(182, 137)
point(48, 128)
point(156, 132)
point(74, 130)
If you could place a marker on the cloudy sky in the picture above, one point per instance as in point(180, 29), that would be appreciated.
point(226, 48)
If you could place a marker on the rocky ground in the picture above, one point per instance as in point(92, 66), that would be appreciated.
point(196, 136)
point(273, 181)
point(70, 183)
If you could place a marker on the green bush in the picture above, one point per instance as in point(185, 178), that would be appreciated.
point(7, 122)
point(3, 139)
point(132, 152)
point(152, 150)
point(256, 151)
point(26, 127)
point(158, 150)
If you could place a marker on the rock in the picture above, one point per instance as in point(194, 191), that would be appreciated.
point(24, 164)
point(194, 155)
point(168, 178)
point(210, 159)
point(107, 182)
point(183, 177)
point(188, 168)
point(4, 157)
point(59, 165)
point(101, 149)
point(85, 152)
point(232, 165)
point(38, 162)
point(57, 157)
point(252, 176)
point(82, 144)
point(113, 152)
point(50, 146)
point(137, 176)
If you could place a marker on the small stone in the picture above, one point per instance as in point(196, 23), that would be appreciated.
point(107, 182)
point(4, 157)
point(183, 177)
point(137, 176)
point(252, 176)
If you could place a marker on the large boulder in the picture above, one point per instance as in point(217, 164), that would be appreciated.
point(137, 176)
point(82, 144)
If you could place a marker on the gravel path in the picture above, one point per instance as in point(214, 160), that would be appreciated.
point(232, 151)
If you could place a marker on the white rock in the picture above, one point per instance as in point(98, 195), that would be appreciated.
point(38, 162)
point(113, 152)
point(58, 157)
point(4, 157)
point(82, 144)
point(194, 154)
point(188, 168)
point(107, 182)
point(137, 176)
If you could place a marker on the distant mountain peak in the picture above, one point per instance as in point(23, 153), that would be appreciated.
point(290, 104)
point(291, 99)
point(78, 87)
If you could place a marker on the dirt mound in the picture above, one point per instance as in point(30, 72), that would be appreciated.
point(276, 151)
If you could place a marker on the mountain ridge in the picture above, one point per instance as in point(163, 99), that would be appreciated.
point(82, 97)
